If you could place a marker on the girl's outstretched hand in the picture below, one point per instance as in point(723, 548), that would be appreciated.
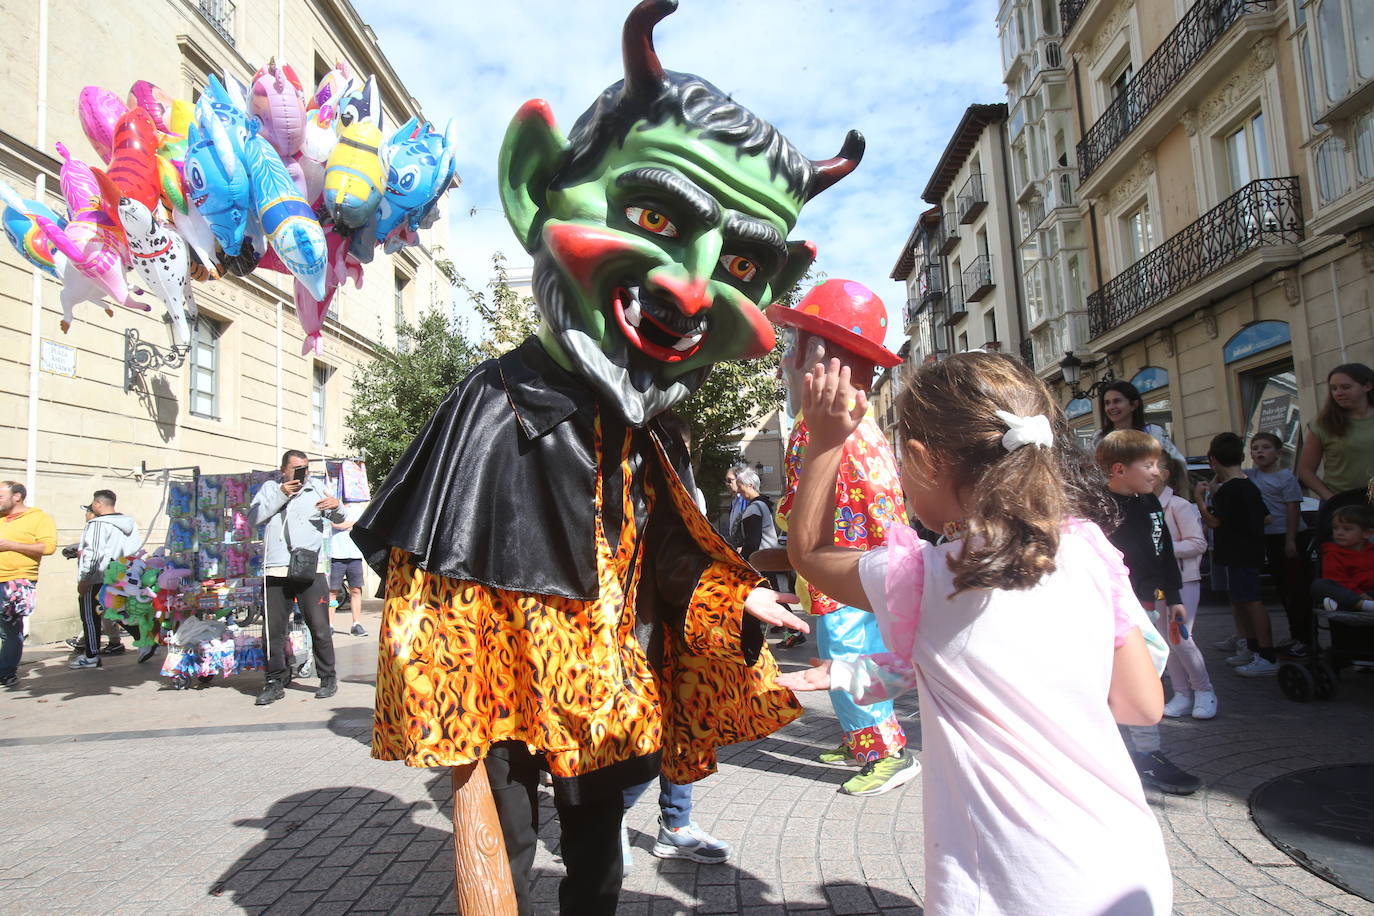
point(817, 677)
point(832, 405)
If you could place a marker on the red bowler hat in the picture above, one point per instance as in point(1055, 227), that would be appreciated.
point(844, 312)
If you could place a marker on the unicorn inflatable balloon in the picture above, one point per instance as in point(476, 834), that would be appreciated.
point(25, 235)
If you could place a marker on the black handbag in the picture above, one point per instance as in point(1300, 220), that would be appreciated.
point(304, 562)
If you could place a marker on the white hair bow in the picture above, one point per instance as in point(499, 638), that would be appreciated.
point(1025, 431)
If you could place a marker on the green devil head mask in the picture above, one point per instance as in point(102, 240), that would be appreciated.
point(658, 226)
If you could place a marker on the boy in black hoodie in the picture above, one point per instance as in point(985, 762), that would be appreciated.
point(1129, 458)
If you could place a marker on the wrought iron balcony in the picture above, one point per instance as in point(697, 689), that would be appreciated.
point(1264, 212)
point(971, 200)
point(1069, 11)
point(930, 281)
point(978, 280)
point(949, 233)
point(954, 304)
point(1194, 36)
point(220, 15)
point(910, 312)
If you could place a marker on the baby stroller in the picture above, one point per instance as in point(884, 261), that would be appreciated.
point(1351, 633)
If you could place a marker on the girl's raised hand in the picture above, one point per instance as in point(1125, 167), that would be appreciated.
point(833, 407)
point(817, 677)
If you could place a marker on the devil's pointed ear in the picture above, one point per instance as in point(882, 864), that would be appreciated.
point(530, 154)
point(800, 257)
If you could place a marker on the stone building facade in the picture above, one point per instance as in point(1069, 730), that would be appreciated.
point(1225, 170)
point(73, 418)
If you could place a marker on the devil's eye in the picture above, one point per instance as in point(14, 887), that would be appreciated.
point(651, 221)
point(738, 267)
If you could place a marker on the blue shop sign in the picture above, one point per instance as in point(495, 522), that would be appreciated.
point(1150, 378)
point(1078, 408)
point(1258, 337)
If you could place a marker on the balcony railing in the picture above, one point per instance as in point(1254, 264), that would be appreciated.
point(1069, 11)
point(954, 304)
point(220, 15)
point(910, 312)
point(971, 199)
point(1264, 212)
point(930, 282)
point(949, 233)
point(1194, 36)
point(978, 280)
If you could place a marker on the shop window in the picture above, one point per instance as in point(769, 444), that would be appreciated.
point(1269, 398)
point(204, 368)
point(1159, 411)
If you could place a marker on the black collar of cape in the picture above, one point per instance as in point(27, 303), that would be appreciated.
point(499, 487)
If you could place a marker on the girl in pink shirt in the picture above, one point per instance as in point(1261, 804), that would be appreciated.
point(1193, 693)
point(1021, 633)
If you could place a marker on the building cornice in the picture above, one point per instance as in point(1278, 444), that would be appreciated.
point(976, 119)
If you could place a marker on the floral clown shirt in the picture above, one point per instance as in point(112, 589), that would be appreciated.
point(868, 494)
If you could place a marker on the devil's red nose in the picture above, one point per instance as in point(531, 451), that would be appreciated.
point(689, 295)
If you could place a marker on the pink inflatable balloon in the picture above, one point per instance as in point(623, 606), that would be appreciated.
point(100, 110)
point(153, 100)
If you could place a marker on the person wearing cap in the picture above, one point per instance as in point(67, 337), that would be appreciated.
point(108, 536)
point(846, 320)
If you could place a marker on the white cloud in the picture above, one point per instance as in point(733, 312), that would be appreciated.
point(901, 72)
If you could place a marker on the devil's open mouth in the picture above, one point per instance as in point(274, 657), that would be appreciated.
point(656, 327)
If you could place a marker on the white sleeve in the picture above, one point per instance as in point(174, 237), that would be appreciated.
point(873, 576)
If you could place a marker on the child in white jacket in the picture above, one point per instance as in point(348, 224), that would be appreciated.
point(1187, 669)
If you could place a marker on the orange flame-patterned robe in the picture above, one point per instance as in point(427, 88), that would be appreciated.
point(654, 655)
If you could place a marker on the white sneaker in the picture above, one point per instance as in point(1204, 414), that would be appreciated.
point(1330, 604)
point(1260, 667)
point(1242, 657)
point(1228, 644)
point(1179, 706)
point(1205, 704)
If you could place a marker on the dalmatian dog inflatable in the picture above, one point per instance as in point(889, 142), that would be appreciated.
point(161, 259)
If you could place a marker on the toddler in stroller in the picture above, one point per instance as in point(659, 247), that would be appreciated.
point(1344, 593)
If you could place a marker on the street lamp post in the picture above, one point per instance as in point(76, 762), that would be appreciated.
point(1073, 367)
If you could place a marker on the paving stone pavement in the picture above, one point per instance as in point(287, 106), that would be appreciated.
point(124, 797)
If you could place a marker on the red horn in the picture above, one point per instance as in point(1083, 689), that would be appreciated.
point(832, 170)
point(643, 72)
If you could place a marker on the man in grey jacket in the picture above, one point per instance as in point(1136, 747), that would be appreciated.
point(109, 535)
point(294, 513)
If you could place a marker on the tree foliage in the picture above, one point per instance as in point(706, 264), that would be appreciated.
point(396, 394)
point(507, 316)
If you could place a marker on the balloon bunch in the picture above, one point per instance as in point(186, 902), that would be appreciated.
point(249, 177)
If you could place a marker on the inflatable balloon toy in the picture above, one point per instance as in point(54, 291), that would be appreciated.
point(317, 143)
point(287, 220)
point(420, 166)
point(276, 102)
point(354, 175)
point(217, 181)
point(161, 260)
point(25, 235)
point(100, 111)
point(93, 242)
point(133, 165)
point(155, 102)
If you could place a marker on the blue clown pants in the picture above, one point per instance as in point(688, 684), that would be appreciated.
point(870, 732)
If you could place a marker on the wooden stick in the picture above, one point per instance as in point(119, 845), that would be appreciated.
point(481, 869)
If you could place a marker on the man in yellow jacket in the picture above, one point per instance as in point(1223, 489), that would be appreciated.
point(27, 535)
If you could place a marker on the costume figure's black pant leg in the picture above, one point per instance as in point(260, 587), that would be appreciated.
point(514, 776)
point(589, 838)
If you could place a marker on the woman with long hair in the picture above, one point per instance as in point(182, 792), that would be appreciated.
point(1121, 407)
point(1342, 440)
point(1341, 443)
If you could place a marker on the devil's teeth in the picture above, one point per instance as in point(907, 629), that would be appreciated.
point(687, 343)
point(632, 314)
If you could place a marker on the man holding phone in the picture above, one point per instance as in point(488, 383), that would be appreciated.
point(294, 512)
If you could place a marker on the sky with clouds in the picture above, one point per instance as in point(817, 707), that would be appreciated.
point(900, 71)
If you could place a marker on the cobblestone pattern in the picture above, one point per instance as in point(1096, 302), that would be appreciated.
point(302, 822)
